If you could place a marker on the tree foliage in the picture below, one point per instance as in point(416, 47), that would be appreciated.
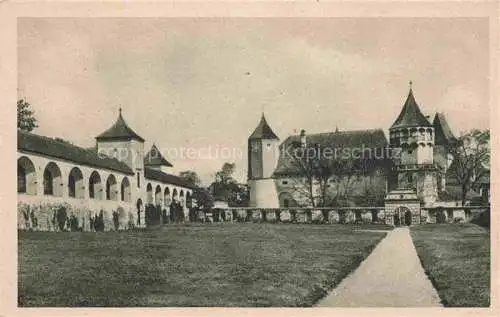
point(471, 159)
point(191, 177)
point(26, 120)
point(226, 188)
point(203, 197)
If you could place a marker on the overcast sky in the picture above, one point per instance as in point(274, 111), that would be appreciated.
point(200, 83)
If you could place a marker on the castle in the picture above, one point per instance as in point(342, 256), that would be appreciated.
point(414, 177)
point(117, 178)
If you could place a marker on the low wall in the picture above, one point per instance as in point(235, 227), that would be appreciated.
point(298, 215)
point(342, 215)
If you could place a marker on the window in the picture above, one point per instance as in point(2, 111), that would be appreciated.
point(410, 178)
point(122, 191)
point(138, 180)
point(91, 189)
point(286, 203)
point(284, 182)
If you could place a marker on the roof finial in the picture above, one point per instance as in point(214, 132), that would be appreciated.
point(120, 111)
point(411, 83)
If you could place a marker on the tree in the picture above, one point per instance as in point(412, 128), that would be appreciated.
point(225, 175)
point(191, 177)
point(471, 159)
point(226, 188)
point(26, 120)
point(203, 198)
point(322, 177)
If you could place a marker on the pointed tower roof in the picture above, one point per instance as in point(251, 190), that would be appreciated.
point(263, 131)
point(119, 131)
point(154, 158)
point(442, 131)
point(410, 115)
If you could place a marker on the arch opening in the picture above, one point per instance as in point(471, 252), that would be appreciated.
point(52, 180)
point(76, 187)
point(95, 186)
point(26, 176)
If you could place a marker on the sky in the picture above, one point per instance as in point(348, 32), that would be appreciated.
point(200, 85)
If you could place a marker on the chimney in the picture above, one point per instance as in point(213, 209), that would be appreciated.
point(303, 138)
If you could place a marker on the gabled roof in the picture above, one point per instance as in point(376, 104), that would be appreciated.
point(119, 131)
point(263, 131)
point(165, 178)
point(60, 149)
point(337, 142)
point(410, 115)
point(154, 158)
point(442, 131)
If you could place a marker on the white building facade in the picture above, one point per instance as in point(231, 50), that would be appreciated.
point(115, 183)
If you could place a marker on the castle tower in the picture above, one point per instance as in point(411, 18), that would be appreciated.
point(412, 137)
point(122, 143)
point(443, 140)
point(155, 160)
point(263, 153)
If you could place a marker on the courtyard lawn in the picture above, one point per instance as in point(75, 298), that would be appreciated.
point(190, 265)
point(457, 259)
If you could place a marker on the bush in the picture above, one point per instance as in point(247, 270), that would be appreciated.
point(99, 221)
point(483, 219)
point(116, 220)
point(73, 223)
point(61, 217)
point(458, 220)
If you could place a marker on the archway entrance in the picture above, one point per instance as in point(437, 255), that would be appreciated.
point(402, 216)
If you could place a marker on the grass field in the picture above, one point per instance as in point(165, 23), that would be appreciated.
point(457, 260)
point(190, 265)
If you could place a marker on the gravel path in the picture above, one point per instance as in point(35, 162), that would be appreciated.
point(391, 276)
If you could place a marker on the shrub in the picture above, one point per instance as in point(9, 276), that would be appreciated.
point(131, 223)
point(73, 223)
point(116, 220)
point(61, 217)
point(458, 220)
point(482, 219)
point(99, 221)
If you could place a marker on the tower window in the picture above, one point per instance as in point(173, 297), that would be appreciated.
point(410, 178)
point(284, 182)
point(138, 180)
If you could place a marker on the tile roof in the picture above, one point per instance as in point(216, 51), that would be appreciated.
point(154, 158)
point(160, 176)
point(119, 131)
point(337, 141)
point(263, 131)
point(410, 115)
point(442, 131)
point(33, 143)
